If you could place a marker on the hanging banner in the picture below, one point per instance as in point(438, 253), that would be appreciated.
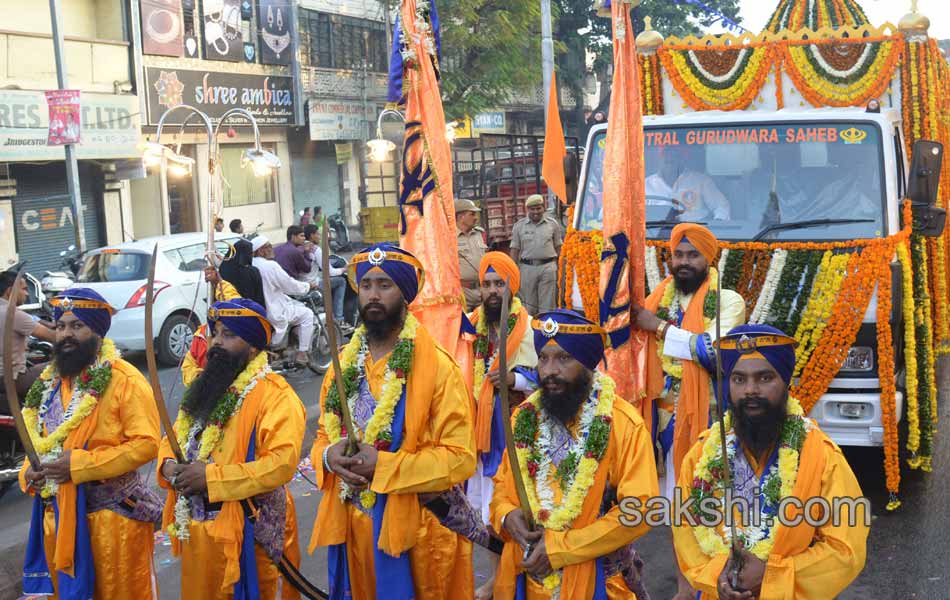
point(162, 27)
point(273, 21)
point(344, 152)
point(222, 30)
point(64, 117)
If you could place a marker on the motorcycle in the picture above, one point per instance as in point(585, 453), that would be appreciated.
point(339, 234)
point(54, 282)
point(12, 453)
point(283, 357)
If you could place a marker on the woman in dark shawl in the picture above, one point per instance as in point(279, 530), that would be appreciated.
point(238, 271)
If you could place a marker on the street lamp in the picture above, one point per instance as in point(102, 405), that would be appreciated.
point(380, 147)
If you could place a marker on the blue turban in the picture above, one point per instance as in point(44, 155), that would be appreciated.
point(402, 267)
point(245, 318)
point(87, 305)
point(758, 341)
point(579, 337)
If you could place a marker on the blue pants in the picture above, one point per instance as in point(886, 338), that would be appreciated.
point(338, 291)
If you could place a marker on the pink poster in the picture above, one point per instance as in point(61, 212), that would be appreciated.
point(64, 117)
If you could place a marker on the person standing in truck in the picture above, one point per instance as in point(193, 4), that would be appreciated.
point(472, 247)
point(535, 245)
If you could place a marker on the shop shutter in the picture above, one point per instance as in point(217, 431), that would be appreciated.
point(42, 213)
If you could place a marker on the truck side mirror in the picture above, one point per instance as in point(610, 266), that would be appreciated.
point(924, 178)
point(571, 172)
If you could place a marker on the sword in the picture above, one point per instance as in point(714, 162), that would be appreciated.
point(727, 475)
point(506, 414)
point(352, 444)
point(9, 384)
point(153, 366)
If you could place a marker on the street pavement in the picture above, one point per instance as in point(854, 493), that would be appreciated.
point(907, 549)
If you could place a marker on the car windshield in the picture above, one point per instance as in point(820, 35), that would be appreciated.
point(739, 179)
point(114, 266)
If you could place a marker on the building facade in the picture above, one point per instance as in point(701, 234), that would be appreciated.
point(36, 215)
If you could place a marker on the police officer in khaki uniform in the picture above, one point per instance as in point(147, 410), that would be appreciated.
point(471, 243)
point(535, 244)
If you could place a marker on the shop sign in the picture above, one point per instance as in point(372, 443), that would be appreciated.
point(111, 127)
point(337, 120)
point(270, 98)
point(490, 122)
point(344, 152)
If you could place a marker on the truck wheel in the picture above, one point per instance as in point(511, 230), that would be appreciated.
point(174, 340)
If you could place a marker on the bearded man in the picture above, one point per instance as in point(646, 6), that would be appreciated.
point(579, 441)
point(93, 422)
point(240, 426)
point(775, 446)
point(494, 270)
point(412, 417)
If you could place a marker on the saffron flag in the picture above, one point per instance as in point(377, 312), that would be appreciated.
point(622, 266)
point(425, 195)
point(552, 166)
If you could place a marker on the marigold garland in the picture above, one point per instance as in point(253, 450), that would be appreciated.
point(580, 261)
point(910, 354)
point(886, 376)
point(746, 78)
point(925, 358)
point(817, 313)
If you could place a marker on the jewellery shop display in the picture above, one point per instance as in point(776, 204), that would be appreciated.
point(172, 31)
point(275, 42)
point(222, 28)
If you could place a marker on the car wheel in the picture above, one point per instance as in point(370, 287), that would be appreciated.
point(174, 340)
point(320, 352)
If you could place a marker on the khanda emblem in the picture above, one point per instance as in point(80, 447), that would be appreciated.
point(418, 180)
point(613, 304)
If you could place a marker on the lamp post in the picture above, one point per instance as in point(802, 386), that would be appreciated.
point(380, 147)
point(262, 162)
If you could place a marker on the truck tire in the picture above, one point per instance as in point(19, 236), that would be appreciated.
point(174, 340)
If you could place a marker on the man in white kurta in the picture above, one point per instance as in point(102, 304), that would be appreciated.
point(283, 311)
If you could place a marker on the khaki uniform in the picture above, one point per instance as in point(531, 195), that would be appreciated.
point(538, 245)
point(471, 250)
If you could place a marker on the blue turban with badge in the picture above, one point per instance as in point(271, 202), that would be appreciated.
point(580, 338)
point(87, 306)
point(245, 318)
point(402, 267)
point(759, 341)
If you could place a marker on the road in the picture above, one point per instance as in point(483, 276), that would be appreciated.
point(907, 549)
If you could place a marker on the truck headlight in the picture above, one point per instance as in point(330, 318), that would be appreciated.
point(860, 359)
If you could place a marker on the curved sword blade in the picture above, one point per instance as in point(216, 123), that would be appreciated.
point(153, 365)
point(9, 383)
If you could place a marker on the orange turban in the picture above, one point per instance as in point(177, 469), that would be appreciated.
point(698, 236)
point(501, 263)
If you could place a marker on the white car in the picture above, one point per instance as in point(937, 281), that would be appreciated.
point(120, 274)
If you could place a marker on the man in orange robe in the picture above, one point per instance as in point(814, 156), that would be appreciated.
point(495, 269)
point(581, 440)
point(406, 396)
point(772, 441)
point(241, 471)
point(93, 513)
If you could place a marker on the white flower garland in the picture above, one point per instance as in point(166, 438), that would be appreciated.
point(763, 306)
point(858, 64)
point(719, 78)
point(653, 270)
point(722, 260)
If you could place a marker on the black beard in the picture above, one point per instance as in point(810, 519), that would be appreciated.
point(564, 405)
point(492, 311)
point(70, 363)
point(758, 433)
point(688, 284)
point(382, 328)
point(218, 375)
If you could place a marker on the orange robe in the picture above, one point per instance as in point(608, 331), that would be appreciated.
point(278, 417)
point(805, 563)
point(629, 467)
point(123, 435)
point(438, 451)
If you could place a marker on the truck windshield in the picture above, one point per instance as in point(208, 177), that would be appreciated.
point(740, 179)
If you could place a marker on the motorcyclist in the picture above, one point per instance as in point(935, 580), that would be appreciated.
point(337, 276)
point(23, 327)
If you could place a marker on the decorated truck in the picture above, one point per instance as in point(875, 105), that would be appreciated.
point(813, 151)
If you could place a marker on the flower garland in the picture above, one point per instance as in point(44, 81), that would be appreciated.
point(779, 483)
point(730, 273)
point(925, 357)
point(482, 358)
point(910, 355)
point(811, 273)
point(575, 475)
point(670, 304)
point(580, 261)
point(378, 431)
point(763, 305)
point(745, 76)
point(831, 273)
point(91, 384)
point(759, 266)
point(892, 468)
point(938, 275)
point(186, 428)
point(858, 76)
point(652, 269)
point(652, 80)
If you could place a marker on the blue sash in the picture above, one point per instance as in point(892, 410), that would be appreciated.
point(491, 460)
point(247, 587)
point(36, 576)
point(600, 584)
point(393, 574)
